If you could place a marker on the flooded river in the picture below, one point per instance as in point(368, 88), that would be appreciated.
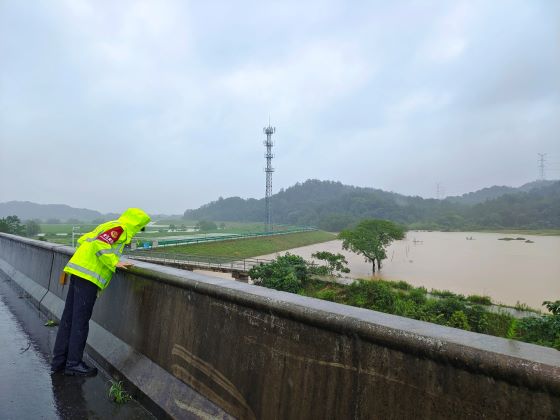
point(508, 271)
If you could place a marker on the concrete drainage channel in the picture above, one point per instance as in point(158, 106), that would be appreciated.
point(194, 346)
point(28, 390)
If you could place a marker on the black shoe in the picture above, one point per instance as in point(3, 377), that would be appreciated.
point(57, 369)
point(80, 369)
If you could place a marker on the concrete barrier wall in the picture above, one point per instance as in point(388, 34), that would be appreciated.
point(203, 347)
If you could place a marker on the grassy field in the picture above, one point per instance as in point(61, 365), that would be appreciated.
point(64, 228)
point(252, 247)
point(51, 230)
point(161, 229)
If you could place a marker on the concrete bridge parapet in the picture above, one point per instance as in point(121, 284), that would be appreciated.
point(199, 347)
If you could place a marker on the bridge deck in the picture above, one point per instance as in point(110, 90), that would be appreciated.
point(27, 389)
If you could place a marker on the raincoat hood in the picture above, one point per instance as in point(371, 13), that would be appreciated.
point(134, 220)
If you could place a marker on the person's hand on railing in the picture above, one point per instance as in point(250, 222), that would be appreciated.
point(124, 264)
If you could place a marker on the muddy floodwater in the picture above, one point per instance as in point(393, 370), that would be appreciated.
point(508, 271)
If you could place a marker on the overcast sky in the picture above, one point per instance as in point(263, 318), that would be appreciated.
point(161, 104)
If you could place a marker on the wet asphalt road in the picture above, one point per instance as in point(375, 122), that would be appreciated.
point(27, 389)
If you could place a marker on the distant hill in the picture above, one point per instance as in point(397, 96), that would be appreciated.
point(491, 193)
point(26, 210)
point(334, 206)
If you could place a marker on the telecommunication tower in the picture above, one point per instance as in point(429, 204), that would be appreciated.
point(269, 131)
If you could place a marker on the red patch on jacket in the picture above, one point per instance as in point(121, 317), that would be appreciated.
point(111, 236)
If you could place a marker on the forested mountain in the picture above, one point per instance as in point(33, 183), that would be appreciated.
point(334, 206)
point(490, 193)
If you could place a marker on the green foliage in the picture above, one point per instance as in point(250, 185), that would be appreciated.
point(334, 207)
point(286, 273)
point(336, 263)
point(372, 295)
point(292, 273)
point(206, 226)
point(481, 300)
point(553, 307)
point(499, 324)
point(327, 294)
point(543, 330)
point(417, 295)
point(403, 285)
point(370, 238)
point(32, 228)
point(523, 307)
point(12, 224)
point(458, 319)
point(446, 294)
point(118, 394)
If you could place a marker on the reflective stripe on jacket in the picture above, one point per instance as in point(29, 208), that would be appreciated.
point(98, 252)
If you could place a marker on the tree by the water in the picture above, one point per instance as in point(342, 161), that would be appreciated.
point(370, 238)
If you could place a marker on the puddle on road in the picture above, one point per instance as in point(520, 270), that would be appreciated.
point(27, 389)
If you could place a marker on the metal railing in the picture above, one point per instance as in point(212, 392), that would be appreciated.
point(223, 262)
point(149, 243)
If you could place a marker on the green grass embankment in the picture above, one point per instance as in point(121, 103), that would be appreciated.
point(251, 247)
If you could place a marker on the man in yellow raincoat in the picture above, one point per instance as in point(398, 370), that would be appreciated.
point(91, 268)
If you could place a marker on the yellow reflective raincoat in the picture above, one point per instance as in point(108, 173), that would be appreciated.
point(99, 250)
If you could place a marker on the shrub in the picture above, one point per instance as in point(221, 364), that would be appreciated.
point(336, 263)
point(446, 307)
point(327, 294)
point(406, 308)
point(373, 295)
point(481, 300)
point(417, 295)
point(285, 273)
point(402, 285)
point(553, 307)
point(446, 294)
point(499, 324)
point(544, 329)
point(459, 320)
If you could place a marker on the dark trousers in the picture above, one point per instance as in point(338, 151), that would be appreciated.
point(74, 324)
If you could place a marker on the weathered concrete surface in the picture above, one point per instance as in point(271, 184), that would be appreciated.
point(258, 353)
point(27, 388)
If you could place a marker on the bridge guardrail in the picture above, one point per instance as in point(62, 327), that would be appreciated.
point(229, 262)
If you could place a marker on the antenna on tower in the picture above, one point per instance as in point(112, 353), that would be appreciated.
point(269, 131)
point(542, 160)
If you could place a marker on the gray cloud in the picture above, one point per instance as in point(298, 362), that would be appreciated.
point(161, 104)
